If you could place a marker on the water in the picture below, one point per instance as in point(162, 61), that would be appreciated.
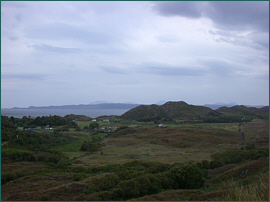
point(93, 113)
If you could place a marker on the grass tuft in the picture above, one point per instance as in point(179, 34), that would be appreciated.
point(258, 191)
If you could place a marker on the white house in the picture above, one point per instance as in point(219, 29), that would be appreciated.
point(162, 125)
point(48, 127)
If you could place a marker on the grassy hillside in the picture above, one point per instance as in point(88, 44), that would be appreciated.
point(244, 111)
point(169, 110)
point(140, 161)
point(172, 111)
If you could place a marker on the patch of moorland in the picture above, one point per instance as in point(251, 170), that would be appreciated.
point(135, 179)
point(204, 161)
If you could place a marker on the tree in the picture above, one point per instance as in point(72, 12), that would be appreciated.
point(93, 126)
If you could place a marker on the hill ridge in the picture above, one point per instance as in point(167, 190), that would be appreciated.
point(183, 110)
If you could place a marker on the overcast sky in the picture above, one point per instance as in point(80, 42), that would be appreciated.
point(69, 52)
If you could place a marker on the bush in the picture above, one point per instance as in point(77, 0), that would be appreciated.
point(43, 197)
point(165, 181)
point(158, 168)
point(131, 188)
point(53, 159)
point(121, 128)
point(104, 183)
point(237, 156)
point(187, 177)
point(128, 174)
point(249, 147)
point(78, 177)
point(109, 182)
point(205, 164)
point(19, 156)
point(215, 164)
point(8, 177)
point(78, 169)
point(101, 196)
point(139, 186)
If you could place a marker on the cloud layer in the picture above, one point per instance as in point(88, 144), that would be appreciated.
point(79, 52)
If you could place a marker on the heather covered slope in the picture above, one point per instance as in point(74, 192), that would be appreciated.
point(183, 111)
point(170, 110)
point(241, 110)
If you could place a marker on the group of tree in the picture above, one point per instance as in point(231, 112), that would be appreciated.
point(92, 145)
point(28, 122)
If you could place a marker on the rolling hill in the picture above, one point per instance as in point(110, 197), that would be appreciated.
point(244, 111)
point(183, 111)
point(170, 110)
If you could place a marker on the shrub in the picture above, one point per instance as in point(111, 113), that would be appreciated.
point(165, 181)
point(237, 156)
point(78, 169)
point(205, 164)
point(53, 159)
point(19, 156)
point(158, 168)
point(8, 177)
point(128, 174)
point(187, 177)
point(215, 164)
point(249, 147)
point(43, 197)
point(104, 183)
point(101, 196)
point(78, 177)
point(131, 188)
point(118, 194)
point(108, 182)
point(121, 128)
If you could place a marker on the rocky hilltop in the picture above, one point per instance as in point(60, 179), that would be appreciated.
point(183, 111)
point(170, 110)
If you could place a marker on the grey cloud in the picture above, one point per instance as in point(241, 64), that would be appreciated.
point(168, 38)
point(63, 31)
point(167, 70)
point(13, 38)
point(114, 70)
point(254, 40)
point(239, 15)
point(232, 15)
point(219, 67)
point(24, 76)
point(48, 48)
point(15, 4)
point(260, 38)
point(184, 8)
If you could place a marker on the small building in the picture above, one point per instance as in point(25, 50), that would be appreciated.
point(48, 127)
point(162, 125)
point(106, 120)
point(94, 119)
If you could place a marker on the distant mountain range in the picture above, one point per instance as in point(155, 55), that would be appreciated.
point(87, 106)
point(217, 105)
point(108, 105)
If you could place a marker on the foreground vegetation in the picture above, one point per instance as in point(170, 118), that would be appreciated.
point(119, 159)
